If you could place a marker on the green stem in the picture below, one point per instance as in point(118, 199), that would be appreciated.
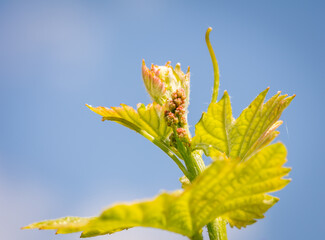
point(195, 165)
point(217, 229)
point(197, 236)
point(215, 67)
point(163, 147)
point(186, 156)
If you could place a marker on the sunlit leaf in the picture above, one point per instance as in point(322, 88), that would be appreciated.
point(254, 121)
point(145, 120)
point(62, 225)
point(254, 128)
point(214, 126)
point(229, 188)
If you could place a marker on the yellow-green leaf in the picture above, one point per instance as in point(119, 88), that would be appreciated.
point(254, 128)
point(229, 188)
point(145, 120)
point(62, 225)
point(214, 126)
point(254, 121)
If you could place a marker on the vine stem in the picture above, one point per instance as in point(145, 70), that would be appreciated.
point(166, 149)
point(197, 236)
point(217, 229)
point(193, 159)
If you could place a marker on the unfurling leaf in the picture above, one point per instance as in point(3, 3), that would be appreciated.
point(254, 128)
point(229, 188)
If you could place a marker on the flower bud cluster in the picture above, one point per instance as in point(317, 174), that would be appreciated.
point(175, 115)
point(182, 136)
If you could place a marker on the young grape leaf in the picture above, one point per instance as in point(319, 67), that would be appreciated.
point(146, 120)
point(255, 120)
point(214, 126)
point(229, 188)
point(254, 128)
point(62, 225)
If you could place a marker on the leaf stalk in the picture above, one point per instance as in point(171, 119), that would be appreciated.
point(166, 149)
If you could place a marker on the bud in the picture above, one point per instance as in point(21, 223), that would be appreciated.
point(171, 105)
point(175, 115)
point(181, 132)
point(180, 93)
point(180, 111)
point(162, 81)
point(171, 119)
point(183, 136)
point(182, 121)
point(172, 140)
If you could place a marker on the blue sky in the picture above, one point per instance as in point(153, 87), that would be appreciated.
point(57, 158)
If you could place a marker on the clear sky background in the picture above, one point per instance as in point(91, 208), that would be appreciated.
point(57, 158)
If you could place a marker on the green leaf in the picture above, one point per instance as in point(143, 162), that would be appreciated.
point(229, 188)
point(62, 225)
point(255, 120)
point(232, 185)
point(214, 126)
point(146, 120)
point(254, 128)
